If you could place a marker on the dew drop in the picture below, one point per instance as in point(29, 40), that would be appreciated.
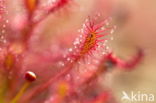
point(103, 53)
point(68, 77)
point(68, 59)
point(112, 31)
point(4, 41)
point(7, 21)
point(61, 63)
point(84, 26)
point(2, 37)
point(79, 30)
point(4, 25)
point(86, 20)
point(3, 31)
point(111, 38)
point(103, 28)
point(106, 41)
point(107, 23)
point(80, 36)
point(75, 47)
point(107, 48)
point(70, 50)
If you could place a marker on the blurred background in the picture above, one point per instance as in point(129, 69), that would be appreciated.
point(136, 27)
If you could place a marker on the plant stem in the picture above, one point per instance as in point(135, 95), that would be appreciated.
point(20, 93)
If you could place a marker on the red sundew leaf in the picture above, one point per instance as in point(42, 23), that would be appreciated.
point(132, 62)
point(92, 36)
point(52, 7)
point(125, 64)
point(58, 4)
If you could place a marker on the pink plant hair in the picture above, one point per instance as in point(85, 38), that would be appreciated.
point(90, 39)
point(76, 80)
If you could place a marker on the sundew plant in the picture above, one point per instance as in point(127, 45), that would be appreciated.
point(69, 68)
